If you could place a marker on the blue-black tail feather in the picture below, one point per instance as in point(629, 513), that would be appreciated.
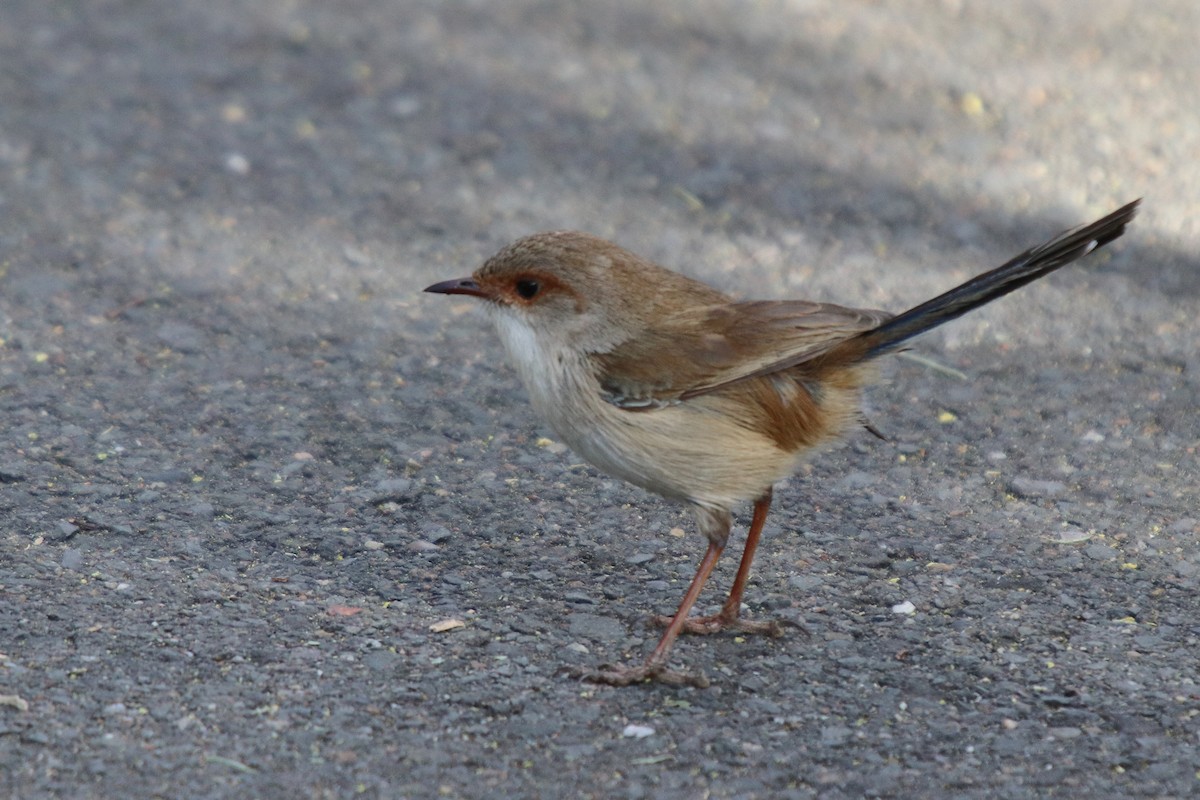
point(1025, 268)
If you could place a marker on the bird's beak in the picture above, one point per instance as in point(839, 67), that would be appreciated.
point(458, 286)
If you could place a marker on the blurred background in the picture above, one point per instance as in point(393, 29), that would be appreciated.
point(275, 524)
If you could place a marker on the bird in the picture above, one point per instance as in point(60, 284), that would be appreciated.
point(678, 388)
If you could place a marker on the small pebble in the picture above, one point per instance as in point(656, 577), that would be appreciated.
point(237, 163)
point(904, 608)
point(1071, 536)
point(637, 731)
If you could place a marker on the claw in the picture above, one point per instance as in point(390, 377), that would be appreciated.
point(620, 675)
point(715, 623)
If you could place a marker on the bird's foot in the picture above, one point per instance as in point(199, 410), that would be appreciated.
point(649, 672)
point(715, 623)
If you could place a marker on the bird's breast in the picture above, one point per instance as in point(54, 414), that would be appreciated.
point(714, 450)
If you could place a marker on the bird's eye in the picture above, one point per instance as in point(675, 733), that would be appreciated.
point(528, 289)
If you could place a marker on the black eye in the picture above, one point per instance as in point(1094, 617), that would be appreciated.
point(528, 288)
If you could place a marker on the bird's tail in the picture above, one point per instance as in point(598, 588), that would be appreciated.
point(1025, 268)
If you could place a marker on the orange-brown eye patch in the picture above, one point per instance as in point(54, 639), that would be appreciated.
point(525, 288)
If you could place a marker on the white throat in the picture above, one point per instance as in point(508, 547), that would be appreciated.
point(543, 363)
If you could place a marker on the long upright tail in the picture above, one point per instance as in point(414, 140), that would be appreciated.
point(1025, 268)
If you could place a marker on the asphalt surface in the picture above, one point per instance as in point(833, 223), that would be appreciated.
point(275, 524)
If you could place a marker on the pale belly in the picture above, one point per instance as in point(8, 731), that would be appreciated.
point(694, 451)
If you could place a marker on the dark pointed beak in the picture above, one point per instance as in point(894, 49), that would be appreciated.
point(458, 286)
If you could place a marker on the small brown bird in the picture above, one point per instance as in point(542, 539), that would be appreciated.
point(675, 387)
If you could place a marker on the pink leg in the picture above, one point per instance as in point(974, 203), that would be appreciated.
point(729, 617)
point(655, 667)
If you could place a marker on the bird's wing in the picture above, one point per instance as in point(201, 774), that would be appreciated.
point(702, 349)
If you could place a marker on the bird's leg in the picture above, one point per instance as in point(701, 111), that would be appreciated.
point(655, 667)
point(729, 617)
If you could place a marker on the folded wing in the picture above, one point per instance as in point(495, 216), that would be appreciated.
point(703, 349)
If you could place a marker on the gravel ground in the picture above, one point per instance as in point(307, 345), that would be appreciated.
point(275, 524)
